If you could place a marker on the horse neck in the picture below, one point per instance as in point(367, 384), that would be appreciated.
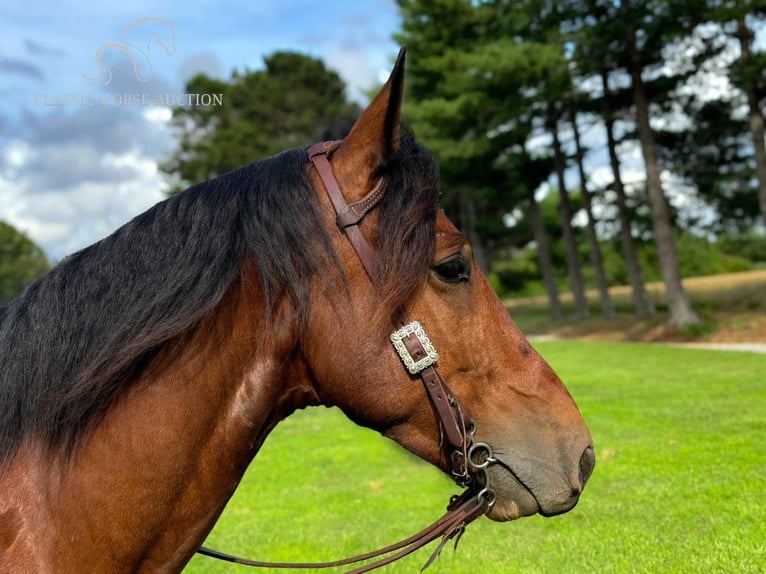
point(145, 486)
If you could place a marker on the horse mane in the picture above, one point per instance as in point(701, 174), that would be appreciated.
point(78, 336)
point(407, 213)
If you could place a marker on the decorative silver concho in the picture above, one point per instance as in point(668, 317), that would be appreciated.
point(413, 366)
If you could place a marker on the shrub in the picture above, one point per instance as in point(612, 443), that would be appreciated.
point(751, 246)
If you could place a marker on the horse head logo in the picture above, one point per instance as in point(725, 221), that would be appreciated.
point(135, 42)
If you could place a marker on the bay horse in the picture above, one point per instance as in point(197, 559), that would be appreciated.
point(139, 378)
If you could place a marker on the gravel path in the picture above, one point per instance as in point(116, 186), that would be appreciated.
point(746, 347)
point(741, 347)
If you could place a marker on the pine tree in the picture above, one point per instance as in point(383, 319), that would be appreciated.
point(293, 101)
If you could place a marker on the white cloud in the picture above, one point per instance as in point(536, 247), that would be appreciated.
point(71, 175)
point(17, 153)
point(601, 176)
point(158, 114)
point(355, 69)
point(68, 194)
point(63, 221)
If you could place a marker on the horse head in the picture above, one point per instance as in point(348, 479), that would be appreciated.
point(541, 449)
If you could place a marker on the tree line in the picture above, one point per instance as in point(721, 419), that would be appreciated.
point(487, 79)
point(21, 262)
point(494, 76)
point(509, 94)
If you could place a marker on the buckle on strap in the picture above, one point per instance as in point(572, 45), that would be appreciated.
point(417, 354)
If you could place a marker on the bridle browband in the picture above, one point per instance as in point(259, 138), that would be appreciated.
point(469, 459)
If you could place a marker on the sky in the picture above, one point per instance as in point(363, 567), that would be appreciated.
point(79, 148)
point(83, 123)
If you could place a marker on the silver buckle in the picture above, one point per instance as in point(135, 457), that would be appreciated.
point(413, 366)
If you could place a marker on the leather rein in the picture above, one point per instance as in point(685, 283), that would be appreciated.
point(469, 459)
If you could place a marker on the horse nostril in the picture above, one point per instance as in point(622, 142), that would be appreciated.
point(587, 462)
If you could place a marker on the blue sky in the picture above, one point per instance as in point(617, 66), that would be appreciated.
point(72, 167)
point(72, 173)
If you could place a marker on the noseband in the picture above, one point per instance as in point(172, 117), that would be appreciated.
point(469, 459)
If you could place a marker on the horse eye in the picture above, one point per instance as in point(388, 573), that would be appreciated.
point(453, 270)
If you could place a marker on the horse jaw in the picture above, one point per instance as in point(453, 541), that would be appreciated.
point(513, 500)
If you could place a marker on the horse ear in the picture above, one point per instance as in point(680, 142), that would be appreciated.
point(374, 138)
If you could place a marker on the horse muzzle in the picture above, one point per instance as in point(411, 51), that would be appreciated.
point(526, 486)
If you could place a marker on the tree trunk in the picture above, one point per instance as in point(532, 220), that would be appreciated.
point(607, 307)
point(641, 300)
point(573, 261)
point(468, 223)
point(544, 258)
point(745, 37)
point(681, 312)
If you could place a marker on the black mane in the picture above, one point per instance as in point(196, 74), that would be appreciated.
point(75, 338)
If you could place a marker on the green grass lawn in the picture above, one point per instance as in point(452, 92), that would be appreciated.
point(679, 485)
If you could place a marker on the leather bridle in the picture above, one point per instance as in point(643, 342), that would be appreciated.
point(469, 459)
